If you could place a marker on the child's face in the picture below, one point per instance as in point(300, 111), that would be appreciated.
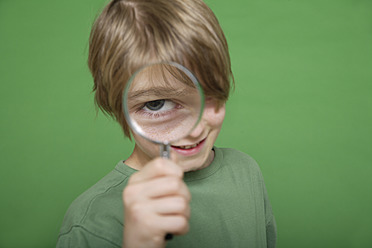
point(192, 152)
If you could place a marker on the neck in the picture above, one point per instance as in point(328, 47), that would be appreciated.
point(137, 160)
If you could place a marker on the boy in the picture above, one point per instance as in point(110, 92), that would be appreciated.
point(145, 197)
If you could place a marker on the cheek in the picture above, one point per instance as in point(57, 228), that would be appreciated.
point(215, 116)
point(149, 148)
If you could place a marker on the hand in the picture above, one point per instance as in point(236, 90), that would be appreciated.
point(156, 202)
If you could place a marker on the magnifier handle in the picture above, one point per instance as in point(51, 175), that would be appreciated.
point(165, 151)
point(168, 236)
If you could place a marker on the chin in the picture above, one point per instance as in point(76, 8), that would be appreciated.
point(195, 163)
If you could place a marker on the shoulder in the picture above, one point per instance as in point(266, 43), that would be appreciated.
point(238, 162)
point(97, 208)
point(234, 153)
point(234, 156)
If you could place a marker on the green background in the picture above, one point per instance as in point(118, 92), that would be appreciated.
point(302, 108)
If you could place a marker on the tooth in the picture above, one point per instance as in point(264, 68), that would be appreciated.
point(189, 146)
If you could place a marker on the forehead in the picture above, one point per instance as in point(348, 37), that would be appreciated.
point(162, 75)
point(161, 78)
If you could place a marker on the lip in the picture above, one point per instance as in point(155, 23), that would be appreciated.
point(191, 151)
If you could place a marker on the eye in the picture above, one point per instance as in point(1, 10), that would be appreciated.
point(159, 109)
point(154, 105)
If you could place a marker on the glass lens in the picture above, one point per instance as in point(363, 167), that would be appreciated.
point(163, 102)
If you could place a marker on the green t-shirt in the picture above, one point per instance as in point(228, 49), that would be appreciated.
point(229, 208)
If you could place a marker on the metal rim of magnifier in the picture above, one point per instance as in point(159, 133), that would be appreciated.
point(133, 125)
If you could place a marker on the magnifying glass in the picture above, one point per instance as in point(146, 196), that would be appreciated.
point(163, 103)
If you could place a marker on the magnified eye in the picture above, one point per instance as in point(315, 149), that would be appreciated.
point(159, 106)
point(155, 105)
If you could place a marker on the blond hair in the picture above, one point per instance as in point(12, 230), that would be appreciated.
point(131, 33)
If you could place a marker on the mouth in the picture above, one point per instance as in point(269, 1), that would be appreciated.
point(189, 150)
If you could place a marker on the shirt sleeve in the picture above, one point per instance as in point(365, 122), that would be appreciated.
point(271, 232)
point(80, 237)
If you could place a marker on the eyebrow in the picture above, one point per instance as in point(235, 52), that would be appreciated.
point(158, 92)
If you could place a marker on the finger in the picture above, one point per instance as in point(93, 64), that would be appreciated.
point(174, 205)
point(157, 168)
point(175, 224)
point(167, 186)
